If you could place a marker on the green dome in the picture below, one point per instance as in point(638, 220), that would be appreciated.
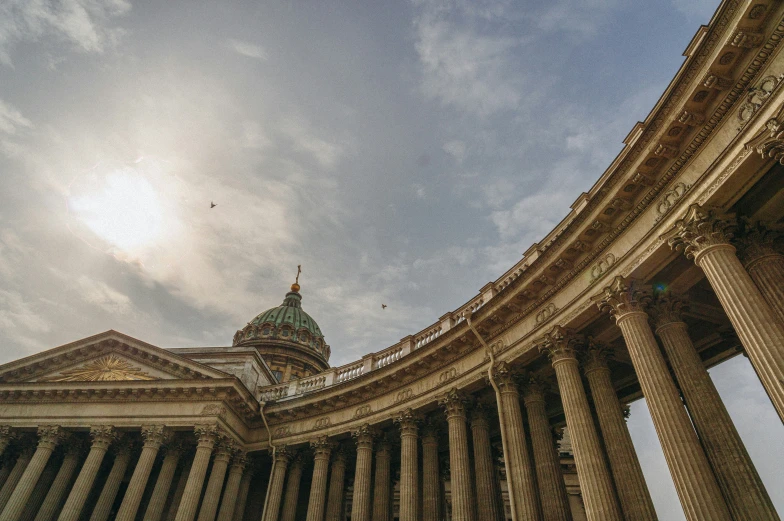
point(291, 313)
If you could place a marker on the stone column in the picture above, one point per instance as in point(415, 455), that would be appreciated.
point(431, 480)
point(336, 492)
point(409, 465)
point(292, 491)
point(742, 487)
point(163, 483)
point(74, 448)
point(154, 436)
point(360, 504)
point(25, 455)
point(5, 469)
point(630, 483)
point(706, 238)
point(231, 493)
point(383, 482)
point(207, 436)
point(460, 467)
point(242, 494)
point(182, 481)
point(552, 490)
point(102, 437)
point(484, 470)
point(694, 480)
point(277, 477)
point(41, 489)
point(209, 504)
point(595, 481)
point(760, 250)
point(318, 487)
point(48, 437)
point(6, 435)
point(122, 457)
point(519, 472)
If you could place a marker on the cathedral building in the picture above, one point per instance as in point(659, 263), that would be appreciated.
point(511, 407)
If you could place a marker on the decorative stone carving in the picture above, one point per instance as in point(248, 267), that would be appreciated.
point(49, 436)
point(363, 410)
point(691, 119)
point(757, 96)
point(408, 422)
point(670, 197)
point(363, 436)
point(282, 431)
point(449, 374)
point(602, 266)
point(206, 434)
point(214, 409)
point(503, 377)
point(322, 422)
point(714, 81)
point(699, 230)
point(322, 447)
point(454, 403)
point(404, 395)
point(621, 297)
point(102, 436)
point(668, 151)
point(546, 313)
point(560, 344)
point(755, 241)
point(107, 368)
point(665, 308)
point(155, 435)
point(595, 355)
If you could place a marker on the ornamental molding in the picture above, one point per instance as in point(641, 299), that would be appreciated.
point(670, 198)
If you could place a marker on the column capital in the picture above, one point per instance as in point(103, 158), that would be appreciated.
point(665, 308)
point(322, 447)
point(700, 230)
point(73, 445)
point(224, 448)
point(6, 433)
point(102, 436)
point(454, 404)
point(123, 445)
point(534, 390)
point(622, 297)
point(560, 344)
point(339, 455)
point(430, 432)
point(363, 436)
point(240, 460)
point(479, 414)
point(595, 356)
point(504, 378)
point(408, 422)
point(755, 241)
point(283, 455)
point(49, 436)
point(384, 446)
point(155, 435)
point(206, 434)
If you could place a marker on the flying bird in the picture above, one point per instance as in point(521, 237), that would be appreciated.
point(383, 306)
point(212, 205)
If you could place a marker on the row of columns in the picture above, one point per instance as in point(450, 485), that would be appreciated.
point(37, 489)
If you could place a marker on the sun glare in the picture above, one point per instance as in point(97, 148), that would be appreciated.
point(124, 210)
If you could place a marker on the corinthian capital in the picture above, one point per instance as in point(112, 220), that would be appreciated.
point(364, 436)
point(621, 297)
point(454, 404)
point(756, 241)
point(560, 344)
point(102, 436)
point(504, 378)
point(49, 436)
point(154, 435)
point(699, 230)
point(322, 447)
point(207, 434)
point(595, 356)
point(666, 308)
point(408, 422)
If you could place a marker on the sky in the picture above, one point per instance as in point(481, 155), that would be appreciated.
point(403, 152)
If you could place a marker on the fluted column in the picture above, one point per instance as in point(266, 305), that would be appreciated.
point(292, 490)
point(163, 483)
point(41, 488)
point(182, 481)
point(552, 490)
point(154, 436)
point(742, 487)
point(276, 480)
point(460, 467)
point(760, 250)
point(409, 465)
point(383, 482)
point(6, 435)
point(318, 486)
point(484, 471)
point(207, 436)
point(595, 481)
point(122, 457)
point(26, 452)
point(232, 489)
point(431, 481)
point(242, 493)
point(630, 483)
point(5, 469)
point(694, 480)
point(337, 481)
point(74, 448)
point(209, 504)
point(702, 235)
point(360, 504)
point(102, 438)
point(48, 437)
point(519, 471)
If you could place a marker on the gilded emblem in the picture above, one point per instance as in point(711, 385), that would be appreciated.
point(105, 369)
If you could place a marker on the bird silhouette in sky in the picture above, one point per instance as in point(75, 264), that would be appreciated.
point(212, 205)
point(383, 306)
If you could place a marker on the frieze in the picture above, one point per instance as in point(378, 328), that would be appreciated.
point(363, 411)
point(322, 422)
point(449, 374)
point(669, 199)
point(602, 266)
point(404, 395)
point(757, 97)
point(546, 313)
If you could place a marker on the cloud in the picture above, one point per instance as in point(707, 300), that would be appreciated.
point(301, 135)
point(247, 49)
point(11, 119)
point(456, 149)
point(99, 293)
point(85, 24)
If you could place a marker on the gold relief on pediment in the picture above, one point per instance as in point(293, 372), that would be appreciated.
point(110, 368)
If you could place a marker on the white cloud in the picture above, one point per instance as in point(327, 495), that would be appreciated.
point(11, 119)
point(247, 49)
point(456, 149)
point(100, 294)
point(85, 24)
point(304, 138)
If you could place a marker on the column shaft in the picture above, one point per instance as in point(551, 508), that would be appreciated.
point(231, 493)
point(431, 482)
point(162, 484)
point(153, 438)
point(383, 483)
point(16, 474)
point(460, 467)
point(207, 435)
point(102, 438)
point(630, 483)
point(360, 504)
point(5, 438)
point(336, 492)
point(209, 504)
point(292, 492)
point(242, 494)
point(182, 481)
point(552, 490)
point(47, 441)
point(746, 495)
point(275, 486)
point(112, 485)
point(318, 487)
point(40, 491)
point(409, 466)
point(56, 494)
point(484, 470)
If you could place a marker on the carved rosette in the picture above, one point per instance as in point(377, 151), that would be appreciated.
point(701, 230)
point(621, 298)
point(408, 423)
point(454, 404)
point(206, 434)
point(155, 435)
point(665, 308)
point(504, 378)
point(595, 356)
point(102, 436)
point(49, 436)
point(322, 447)
point(363, 436)
point(534, 390)
point(755, 242)
point(560, 344)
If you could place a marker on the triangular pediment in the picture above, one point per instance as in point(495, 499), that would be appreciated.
point(107, 357)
